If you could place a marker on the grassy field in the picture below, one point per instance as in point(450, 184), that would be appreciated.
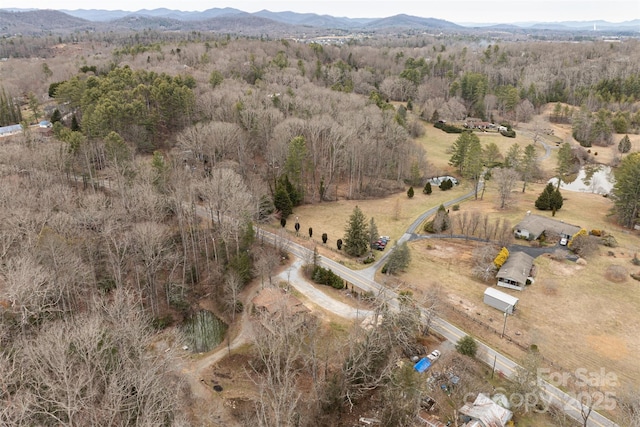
point(392, 214)
point(573, 313)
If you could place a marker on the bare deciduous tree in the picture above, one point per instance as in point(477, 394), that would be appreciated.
point(92, 369)
point(30, 289)
point(153, 251)
point(483, 266)
point(505, 179)
point(232, 287)
point(279, 348)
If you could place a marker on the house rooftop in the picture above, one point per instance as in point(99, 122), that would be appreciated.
point(502, 296)
point(487, 412)
point(538, 224)
point(276, 301)
point(517, 267)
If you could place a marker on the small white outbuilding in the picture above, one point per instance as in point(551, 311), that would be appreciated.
point(500, 300)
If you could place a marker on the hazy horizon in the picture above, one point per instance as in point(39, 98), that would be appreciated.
point(458, 11)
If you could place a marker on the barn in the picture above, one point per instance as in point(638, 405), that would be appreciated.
point(500, 300)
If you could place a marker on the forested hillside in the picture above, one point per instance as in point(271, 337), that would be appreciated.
point(167, 149)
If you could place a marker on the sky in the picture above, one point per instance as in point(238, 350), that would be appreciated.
point(458, 11)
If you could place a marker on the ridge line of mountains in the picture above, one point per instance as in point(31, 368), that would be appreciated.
point(229, 19)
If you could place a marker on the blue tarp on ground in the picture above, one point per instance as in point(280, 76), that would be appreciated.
point(422, 365)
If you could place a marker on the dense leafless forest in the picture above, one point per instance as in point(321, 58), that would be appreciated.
point(115, 222)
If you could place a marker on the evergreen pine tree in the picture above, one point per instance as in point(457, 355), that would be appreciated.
point(427, 188)
point(627, 190)
point(75, 126)
point(56, 116)
point(399, 259)
point(373, 231)
point(555, 201)
point(410, 192)
point(624, 146)
point(282, 202)
point(356, 238)
point(543, 202)
point(549, 199)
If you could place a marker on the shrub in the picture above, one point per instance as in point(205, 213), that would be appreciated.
point(410, 192)
point(239, 307)
point(467, 346)
point(159, 323)
point(501, 258)
point(616, 273)
point(368, 296)
point(427, 188)
point(455, 207)
point(596, 233)
point(559, 254)
point(106, 285)
point(446, 185)
point(428, 228)
point(609, 241)
point(368, 260)
point(325, 276)
point(447, 128)
point(584, 245)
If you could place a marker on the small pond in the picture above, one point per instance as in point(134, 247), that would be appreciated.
point(203, 331)
point(437, 180)
point(598, 179)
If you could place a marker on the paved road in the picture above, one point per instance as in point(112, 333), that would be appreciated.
point(293, 277)
point(540, 139)
point(450, 332)
point(411, 232)
point(490, 356)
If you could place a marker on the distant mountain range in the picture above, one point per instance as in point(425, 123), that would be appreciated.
point(32, 21)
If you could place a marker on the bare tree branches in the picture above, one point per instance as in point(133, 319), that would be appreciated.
point(505, 179)
point(92, 369)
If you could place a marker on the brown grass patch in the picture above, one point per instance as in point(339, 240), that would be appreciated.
point(567, 304)
point(609, 347)
point(332, 217)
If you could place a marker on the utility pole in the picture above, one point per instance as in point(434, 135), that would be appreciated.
point(495, 356)
point(504, 327)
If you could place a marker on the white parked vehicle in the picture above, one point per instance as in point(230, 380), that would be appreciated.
point(435, 355)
